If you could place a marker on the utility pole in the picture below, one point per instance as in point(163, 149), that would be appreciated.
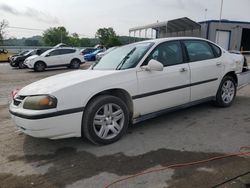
point(205, 14)
point(61, 36)
point(221, 9)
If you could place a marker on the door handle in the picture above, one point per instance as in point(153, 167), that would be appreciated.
point(183, 69)
point(218, 64)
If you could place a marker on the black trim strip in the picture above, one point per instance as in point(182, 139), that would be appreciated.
point(48, 115)
point(169, 110)
point(172, 89)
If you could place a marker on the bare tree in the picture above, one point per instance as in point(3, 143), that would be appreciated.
point(3, 26)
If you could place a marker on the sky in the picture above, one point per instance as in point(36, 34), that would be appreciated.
point(86, 16)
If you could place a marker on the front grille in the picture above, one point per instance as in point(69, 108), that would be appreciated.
point(18, 100)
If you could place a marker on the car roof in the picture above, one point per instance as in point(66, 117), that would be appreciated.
point(160, 40)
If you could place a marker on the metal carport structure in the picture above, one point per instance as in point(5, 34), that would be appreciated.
point(177, 27)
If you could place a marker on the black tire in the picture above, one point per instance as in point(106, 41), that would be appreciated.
point(21, 65)
point(75, 64)
point(88, 127)
point(219, 96)
point(39, 66)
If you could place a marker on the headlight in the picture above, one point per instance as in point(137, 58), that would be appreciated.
point(40, 102)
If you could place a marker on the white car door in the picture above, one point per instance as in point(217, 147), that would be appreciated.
point(53, 58)
point(160, 90)
point(67, 55)
point(206, 68)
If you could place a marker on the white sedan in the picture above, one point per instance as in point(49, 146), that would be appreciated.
point(128, 85)
point(56, 57)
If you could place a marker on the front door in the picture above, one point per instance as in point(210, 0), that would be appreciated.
point(54, 58)
point(158, 90)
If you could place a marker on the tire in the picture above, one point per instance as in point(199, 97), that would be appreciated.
point(21, 65)
point(226, 93)
point(39, 66)
point(109, 127)
point(75, 64)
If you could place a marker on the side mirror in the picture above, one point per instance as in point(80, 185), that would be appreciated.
point(47, 55)
point(153, 65)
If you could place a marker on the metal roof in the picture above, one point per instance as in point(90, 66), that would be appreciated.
point(180, 24)
point(225, 21)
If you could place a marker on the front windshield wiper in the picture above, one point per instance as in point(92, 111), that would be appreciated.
point(123, 61)
point(94, 64)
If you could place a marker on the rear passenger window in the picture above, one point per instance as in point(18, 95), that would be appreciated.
point(67, 51)
point(217, 50)
point(168, 54)
point(199, 50)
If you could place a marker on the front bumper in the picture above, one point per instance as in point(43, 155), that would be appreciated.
point(13, 63)
point(54, 125)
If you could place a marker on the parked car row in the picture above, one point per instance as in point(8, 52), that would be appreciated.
point(18, 60)
point(58, 57)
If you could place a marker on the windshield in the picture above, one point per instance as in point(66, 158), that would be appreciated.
point(28, 53)
point(46, 52)
point(22, 53)
point(123, 57)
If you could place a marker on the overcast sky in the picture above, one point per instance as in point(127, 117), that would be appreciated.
point(86, 16)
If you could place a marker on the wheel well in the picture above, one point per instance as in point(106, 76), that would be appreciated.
point(233, 75)
point(41, 62)
point(120, 93)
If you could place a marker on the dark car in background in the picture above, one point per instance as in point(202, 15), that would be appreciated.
point(19, 54)
point(87, 50)
point(18, 61)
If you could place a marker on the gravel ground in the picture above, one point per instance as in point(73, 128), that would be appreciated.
point(192, 134)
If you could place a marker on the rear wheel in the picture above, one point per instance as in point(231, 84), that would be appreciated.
point(226, 92)
point(105, 120)
point(75, 64)
point(39, 66)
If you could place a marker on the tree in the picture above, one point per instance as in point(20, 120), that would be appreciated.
point(107, 37)
point(30, 42)
point(3, 26)
point(74, 40)
point(85, 42)
point(55, 35)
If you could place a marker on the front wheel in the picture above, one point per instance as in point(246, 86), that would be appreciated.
point(226, 92)
point(21, 65)
point(39, 66)
point(105, 119)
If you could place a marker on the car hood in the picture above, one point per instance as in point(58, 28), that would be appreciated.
point(54, 83)
point(88, 55)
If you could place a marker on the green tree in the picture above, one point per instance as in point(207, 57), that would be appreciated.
point(3, 26)
point(74, 40)
point(55, 35)
point(107, 37)
point(85, 42)
point(30, 42)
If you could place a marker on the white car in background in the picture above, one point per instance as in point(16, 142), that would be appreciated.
point(130, 84)
point(58, 57)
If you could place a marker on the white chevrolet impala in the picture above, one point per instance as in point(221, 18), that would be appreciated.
point(130, 84)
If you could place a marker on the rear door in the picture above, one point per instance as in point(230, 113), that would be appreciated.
point(206, 68)
point(67, 55)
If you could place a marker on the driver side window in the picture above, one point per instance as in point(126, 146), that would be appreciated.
point(168, 53)
point(54, 53)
